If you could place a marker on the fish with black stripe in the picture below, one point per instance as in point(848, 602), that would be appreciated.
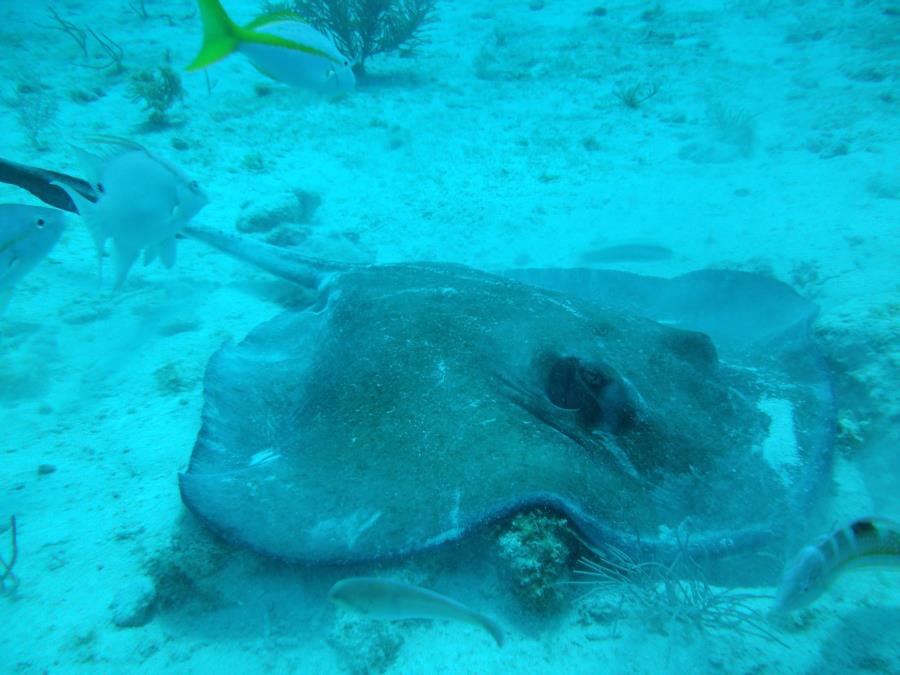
point(864, 542)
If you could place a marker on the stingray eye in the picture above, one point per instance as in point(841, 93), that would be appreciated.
point(40, 222)
point(599, 396)
point(593, 378)
point(346, 63)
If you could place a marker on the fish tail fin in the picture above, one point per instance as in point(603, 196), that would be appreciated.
point(491, 627)
point(221, 35)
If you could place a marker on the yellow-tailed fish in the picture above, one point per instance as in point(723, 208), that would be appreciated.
point(143, 202)
point(393, 600)
point(280, 45)
point(864, 542)
point(27, 233)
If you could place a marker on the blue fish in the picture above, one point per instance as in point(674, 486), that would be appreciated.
point(27, 233)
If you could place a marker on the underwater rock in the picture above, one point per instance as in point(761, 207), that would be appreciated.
point(269, 212)
point(134, 603)
point(365, 646)
point(185, 570)
point(536, 551)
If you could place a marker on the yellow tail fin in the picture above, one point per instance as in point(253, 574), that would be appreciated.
point(221, 35)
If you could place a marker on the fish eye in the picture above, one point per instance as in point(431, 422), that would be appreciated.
point(40, 222)
point(195, 185)
point(100, 188)
point(346, 63)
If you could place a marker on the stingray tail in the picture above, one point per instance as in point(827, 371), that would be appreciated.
point(301, 269)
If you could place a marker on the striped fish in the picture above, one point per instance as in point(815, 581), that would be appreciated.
point(864, 542)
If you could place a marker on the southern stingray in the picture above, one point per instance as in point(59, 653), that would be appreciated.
point(411, 403)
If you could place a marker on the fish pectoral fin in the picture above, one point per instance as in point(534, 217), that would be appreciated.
point(10, 269)
point(124, 259)
point(5, 294)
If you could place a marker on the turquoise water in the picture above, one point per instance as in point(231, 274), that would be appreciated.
point(656, 139)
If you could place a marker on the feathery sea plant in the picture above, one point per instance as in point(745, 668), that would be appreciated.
point(36, 109)
point(672, 596)
point(363, 28)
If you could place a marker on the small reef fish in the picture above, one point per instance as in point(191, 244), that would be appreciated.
point(864, 542)
point(627, 252)
point(279, 45)
point(393, 600)
point(27, 233)
point(143, 202)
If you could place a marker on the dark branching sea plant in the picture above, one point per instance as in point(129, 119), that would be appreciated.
point(674, 596)
point(8, 581)
point(362, 28)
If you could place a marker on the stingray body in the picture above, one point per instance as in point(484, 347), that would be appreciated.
point(411, 403)
point(415, 402)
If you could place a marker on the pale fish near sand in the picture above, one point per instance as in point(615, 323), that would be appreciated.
point(27, 234)
point(279, 45)
point(143, 203)
point(862, 543)
point(393, 600)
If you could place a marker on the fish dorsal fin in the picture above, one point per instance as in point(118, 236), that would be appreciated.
point(116, 141)
point(91, 164)
point(126, 144)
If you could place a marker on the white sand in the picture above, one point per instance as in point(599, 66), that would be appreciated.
point(767, 147)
